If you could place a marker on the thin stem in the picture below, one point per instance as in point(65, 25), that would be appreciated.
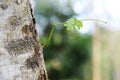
point(51, 33)
point(93, 20)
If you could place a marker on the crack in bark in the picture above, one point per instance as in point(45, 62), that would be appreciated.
point(32, 63)
point(38, 59)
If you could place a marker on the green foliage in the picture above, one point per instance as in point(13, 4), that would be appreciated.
point(65, 59)
point(73, 23)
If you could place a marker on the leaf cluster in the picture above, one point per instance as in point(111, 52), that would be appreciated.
point(73, 23)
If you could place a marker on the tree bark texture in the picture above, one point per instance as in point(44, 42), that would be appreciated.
point(21, 55)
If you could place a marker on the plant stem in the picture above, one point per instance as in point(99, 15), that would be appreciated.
point(93, 20)
point(50, 36)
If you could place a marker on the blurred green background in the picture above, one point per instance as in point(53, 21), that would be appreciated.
point(68, 56)
point(91, 53)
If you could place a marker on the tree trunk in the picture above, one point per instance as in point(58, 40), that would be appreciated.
point(20, 52)
point(96, 58)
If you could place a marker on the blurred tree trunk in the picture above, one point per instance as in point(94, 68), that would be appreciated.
point(96, 51)
point(20, 52)
point(114, 54)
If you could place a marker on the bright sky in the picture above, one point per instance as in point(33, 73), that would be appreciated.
point(106, 10)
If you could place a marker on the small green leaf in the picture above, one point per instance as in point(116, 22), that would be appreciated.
point(73, 23)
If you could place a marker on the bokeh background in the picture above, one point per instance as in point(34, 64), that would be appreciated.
point(91, 53)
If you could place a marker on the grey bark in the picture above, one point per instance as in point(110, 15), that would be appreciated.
point(21, 55)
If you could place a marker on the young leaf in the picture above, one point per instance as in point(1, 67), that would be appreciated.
point(73, 24)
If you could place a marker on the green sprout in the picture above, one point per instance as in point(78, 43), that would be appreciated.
point(70, 24)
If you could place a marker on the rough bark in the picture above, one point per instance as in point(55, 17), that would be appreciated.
point(20, 51)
